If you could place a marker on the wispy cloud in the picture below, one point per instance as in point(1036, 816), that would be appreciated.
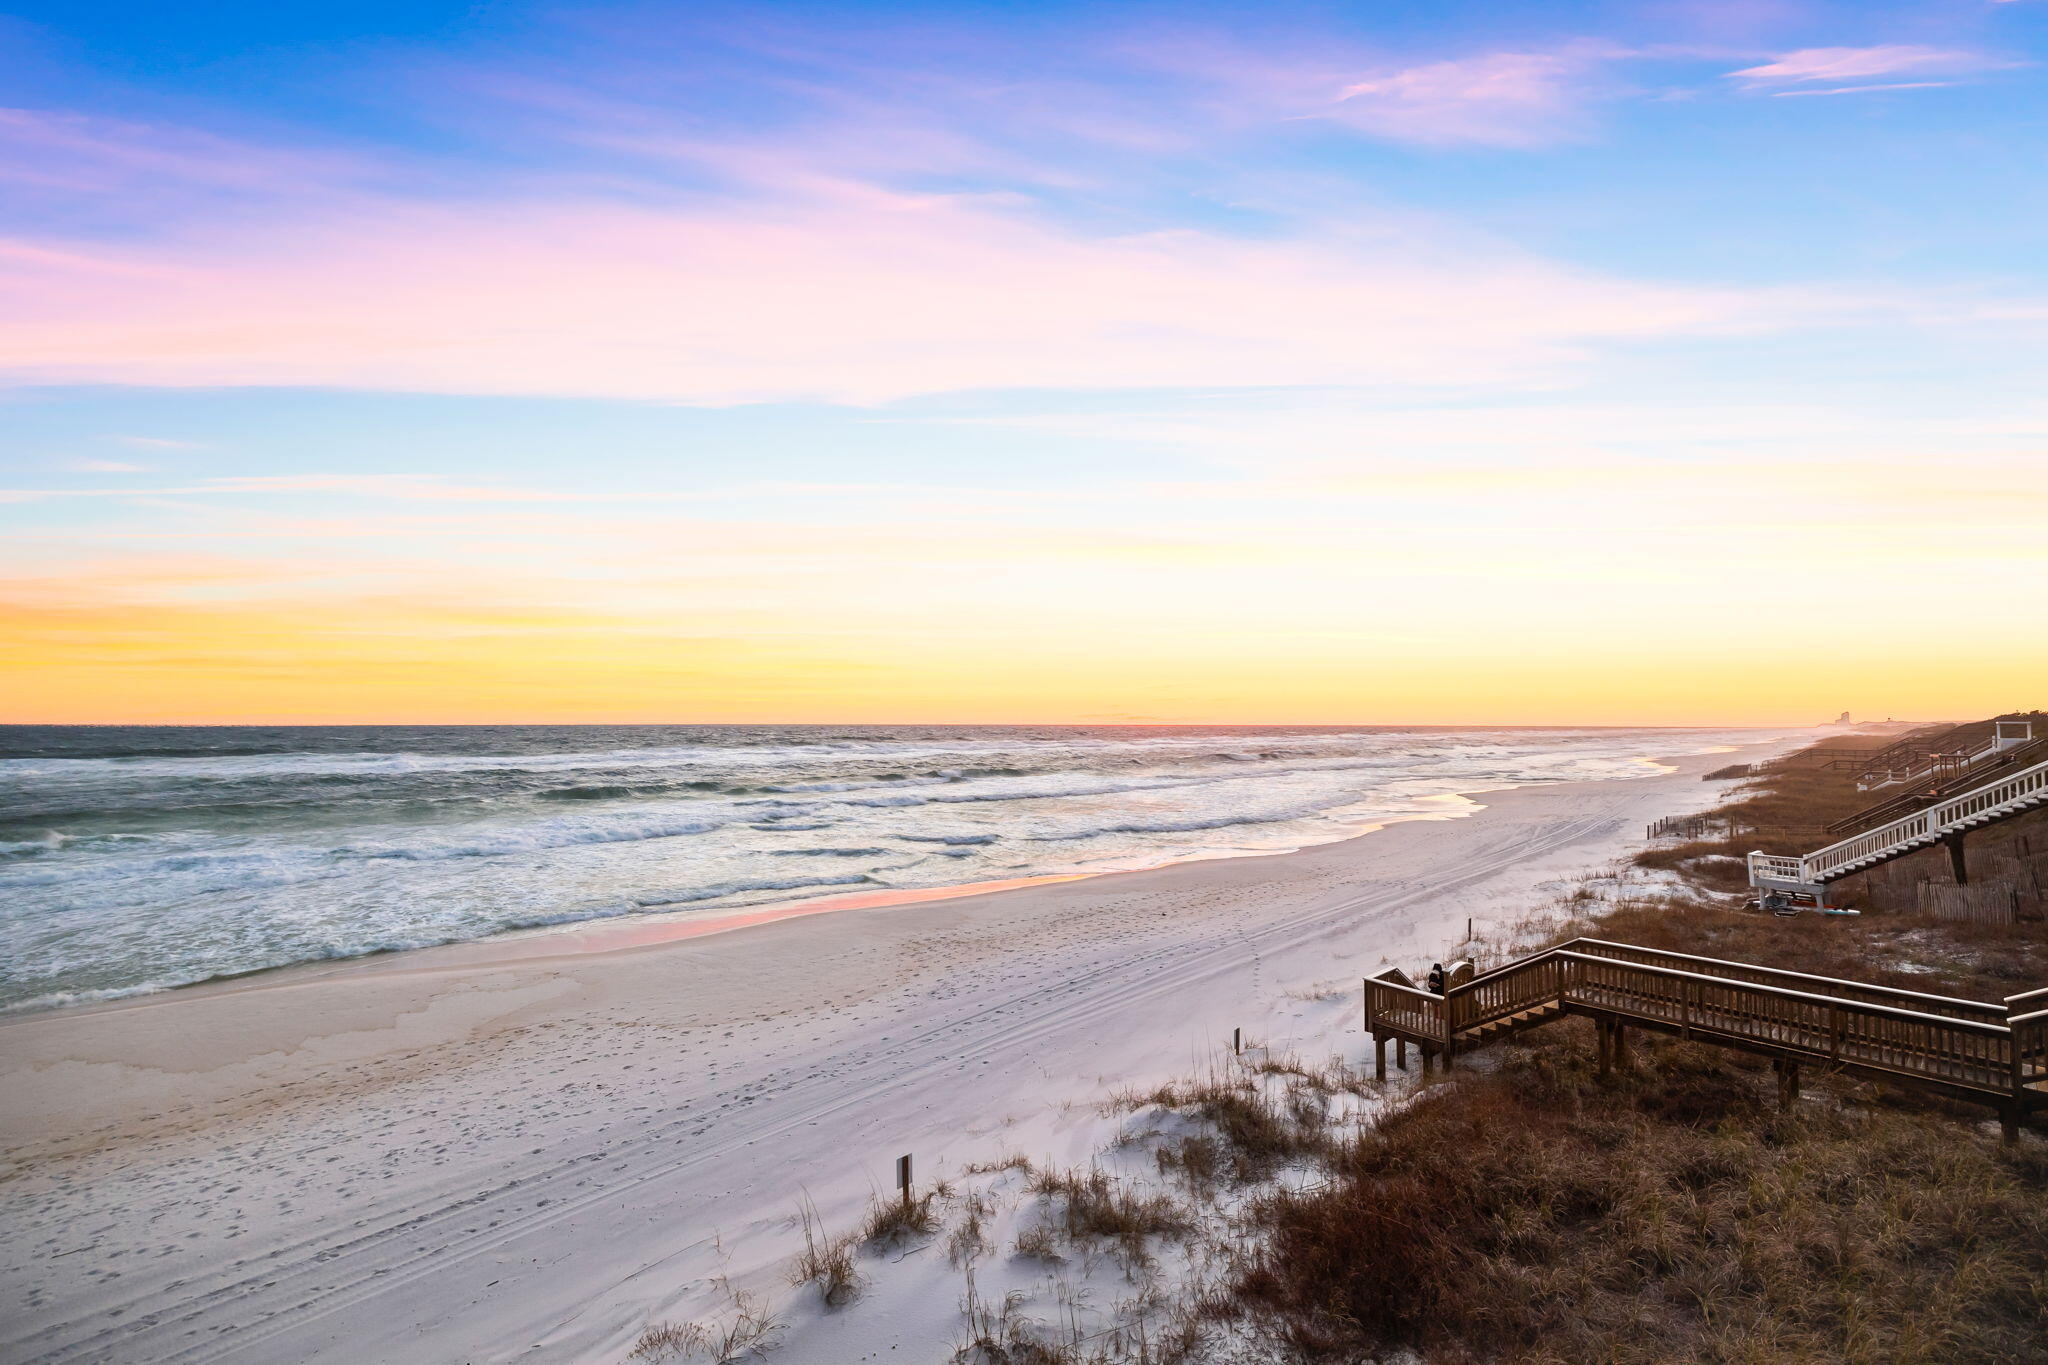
point(1865, 89)
point(853, 294)
point(82, 157)
point(398, 487)
point(1512, 97)
point(1850, 69)
point(1508, 99)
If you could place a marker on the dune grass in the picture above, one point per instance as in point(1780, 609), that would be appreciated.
point(1528, 1211)
point(1534, 1215)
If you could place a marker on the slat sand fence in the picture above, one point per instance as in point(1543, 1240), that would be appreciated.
point(1995, 1054)
point(1978, 903)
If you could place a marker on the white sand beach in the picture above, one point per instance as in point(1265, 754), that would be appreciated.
point(531, 1148)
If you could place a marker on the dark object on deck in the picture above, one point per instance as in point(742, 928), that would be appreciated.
point(1436, 978)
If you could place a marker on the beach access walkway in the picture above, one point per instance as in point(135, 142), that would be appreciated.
point(1992, 1054)
point(1944, 822)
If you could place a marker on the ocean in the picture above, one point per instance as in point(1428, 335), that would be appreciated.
point(142, 858)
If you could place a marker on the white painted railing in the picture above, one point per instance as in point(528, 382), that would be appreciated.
point(2015, 792)
point(2005, 734)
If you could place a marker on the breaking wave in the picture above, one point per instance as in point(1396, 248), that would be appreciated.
point(136, 859)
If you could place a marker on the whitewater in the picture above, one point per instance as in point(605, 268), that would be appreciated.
point(138, 859)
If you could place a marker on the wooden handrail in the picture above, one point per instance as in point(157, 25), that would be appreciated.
point(1996, 799)
point(1782, 993)
point(1946, 1002)
point(1994, 1057)
point(1990, 1011)
point(1379, 984)
point(1564, 952)
point(2022, 754)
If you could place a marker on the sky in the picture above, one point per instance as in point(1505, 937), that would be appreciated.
point(1447, 363)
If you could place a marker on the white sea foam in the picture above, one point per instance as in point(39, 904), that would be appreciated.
point(133, 872)
point(562, 833)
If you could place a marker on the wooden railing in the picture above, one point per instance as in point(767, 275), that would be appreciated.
point(2027, 1017)
point(1394, 1006)
point(1994, 1052)
point(1996, 799)
point(2023, 754)
point(1946, 756)
point(1864, 991)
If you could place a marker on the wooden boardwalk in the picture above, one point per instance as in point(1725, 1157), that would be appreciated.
point(1967, 1049)
point(1947, 821)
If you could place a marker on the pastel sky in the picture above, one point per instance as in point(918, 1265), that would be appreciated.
point(1673, 362)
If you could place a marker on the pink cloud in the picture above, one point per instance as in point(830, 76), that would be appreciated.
point(856, 295)
point(1864, 89)
point(1504, 98)
point(81, 154)
point(1835, 65)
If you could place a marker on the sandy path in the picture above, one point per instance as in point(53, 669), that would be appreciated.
point(443, 1158)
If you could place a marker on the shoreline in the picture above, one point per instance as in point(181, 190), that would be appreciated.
point(618, 933)
point(628, 933)
point(357, 1164)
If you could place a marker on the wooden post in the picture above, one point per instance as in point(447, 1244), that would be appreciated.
point(1401, 1053)
point(1788, 1081)
point(1428, 1063)
point(1620, 1045)
point(1450, 1036)
point(1956, 865)
point(1379, 1057)
point(903, 1177)
point(1605, 1046)
point(1237, 1042)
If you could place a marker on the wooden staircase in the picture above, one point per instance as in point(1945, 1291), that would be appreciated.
point(1944, 756)
point(2002, 797)
point(1513, 1023)
point(1994, 1054)
point(1926, 793)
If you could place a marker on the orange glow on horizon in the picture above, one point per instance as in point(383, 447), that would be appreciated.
point(377, 664)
